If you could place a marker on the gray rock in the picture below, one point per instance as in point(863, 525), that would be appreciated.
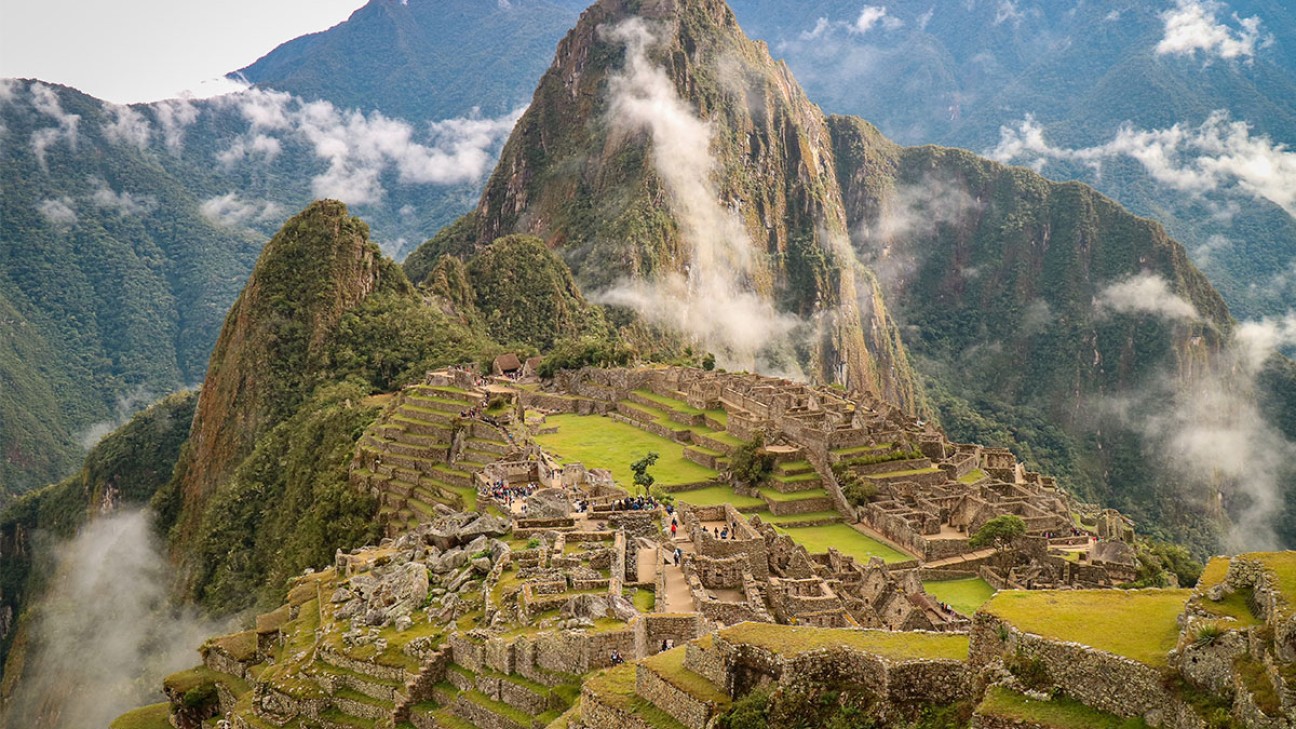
point(403, 623)
point(548, 504)
point(482, 564)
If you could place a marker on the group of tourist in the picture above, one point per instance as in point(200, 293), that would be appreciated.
point(505, 493)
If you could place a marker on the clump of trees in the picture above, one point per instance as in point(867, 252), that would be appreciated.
point(751, 465)
point(642, 478)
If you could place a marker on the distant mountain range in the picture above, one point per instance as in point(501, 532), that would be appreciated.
point(127, 231)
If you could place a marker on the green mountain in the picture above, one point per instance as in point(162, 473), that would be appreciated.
point(955, 75)
point(127, 232)
point(999, 275)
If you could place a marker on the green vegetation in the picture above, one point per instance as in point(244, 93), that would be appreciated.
point(601, 442)
point(791, 640)
point(153, 716)
point(643, 480)
point(245, 551)
point(716, 495)
point(1137, 624)
point(136, 459)
point(525, 293)
point(751, 465)
point(1002, 530)
point(573, 354)
point(1057, 713)
point(965, 595)
point(843, 538)
point(1236, 605)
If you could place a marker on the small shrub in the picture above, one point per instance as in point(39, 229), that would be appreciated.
point(1029, 670)
point(749, 712)
point(1207, 634)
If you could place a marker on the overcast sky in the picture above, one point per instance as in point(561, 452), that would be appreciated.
point(144, 50)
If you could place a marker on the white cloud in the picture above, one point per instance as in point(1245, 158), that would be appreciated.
point(1008, 12)
point(46, 101)
point(875, 16)
point(925, 18)
point(59, 212)
point(123, 203)
point(1221, 154)
point(232, 211)
point(1192, 26)
point(361, 148)
point(128, 127)
point(713, 300)
point(1144, 293)
point(250, 146)
point(175, 116)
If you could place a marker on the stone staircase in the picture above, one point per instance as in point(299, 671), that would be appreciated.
point(423, 452)
point(487, 699)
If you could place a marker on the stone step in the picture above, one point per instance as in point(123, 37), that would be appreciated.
point(448, 393)
point(452, 476)
point(481, 710)
point(522, 694)
point(422, 427)
point(434, 402)
point(794, 484)
point(332, 678)
point(793, 468)
point(665, 681)
point(353, 703)
point(499, 448)
point(609, 701)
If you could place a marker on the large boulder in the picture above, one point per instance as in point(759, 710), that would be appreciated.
point(548, 504)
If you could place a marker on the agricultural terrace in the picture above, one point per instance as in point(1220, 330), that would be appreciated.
point(1137, 624)
point(601, 442)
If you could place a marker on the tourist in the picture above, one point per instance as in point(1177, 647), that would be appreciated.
point(679, 553)
point(673, 528)
point(616, 657)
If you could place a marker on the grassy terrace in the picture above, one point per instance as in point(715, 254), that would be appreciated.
point(1061, 713)
point(792, 640)
point(601, 442)
point(670, 666)
point(848, 541)
point(670, 403)
point(1283, 564)
point(153, 716)
point(1136, 624)
point(716, 495)
point(972, 476)
point(616, 688)
point(965, 595)
point(897, 474)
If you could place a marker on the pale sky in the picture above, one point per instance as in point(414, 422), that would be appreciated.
point(128, 51)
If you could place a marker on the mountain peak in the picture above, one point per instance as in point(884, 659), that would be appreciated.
point(320, 265)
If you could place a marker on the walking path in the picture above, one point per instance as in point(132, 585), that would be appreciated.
point(677, 599)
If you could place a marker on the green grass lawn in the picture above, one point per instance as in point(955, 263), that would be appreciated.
point(716, 495)
point(1137, 624)
point(792, 640)
point(600, 442)
point(972, 476)
point(848, 541)
point(1234, 606)
point(1062, 713)
point(965, 595)
point(153, 716)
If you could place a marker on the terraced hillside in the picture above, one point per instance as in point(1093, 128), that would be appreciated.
point(424, 451)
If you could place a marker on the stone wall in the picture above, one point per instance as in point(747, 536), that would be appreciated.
point(1107, 682)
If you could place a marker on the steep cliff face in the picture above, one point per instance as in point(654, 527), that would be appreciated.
point(683, 173)
point(320, 266)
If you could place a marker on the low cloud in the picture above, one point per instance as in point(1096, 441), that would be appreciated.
point(45, 100)
point(714, 301)
point(104, 635)
point(1144, 293)
point(126, 405)
point(175, 116)
point(250, 147)
point(1219, 155)
point(232, 211)
point(360, 149)
point(893, 244)
point(1192, 26)
point(125, 204)
point(128, 126)
point(59, 212)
